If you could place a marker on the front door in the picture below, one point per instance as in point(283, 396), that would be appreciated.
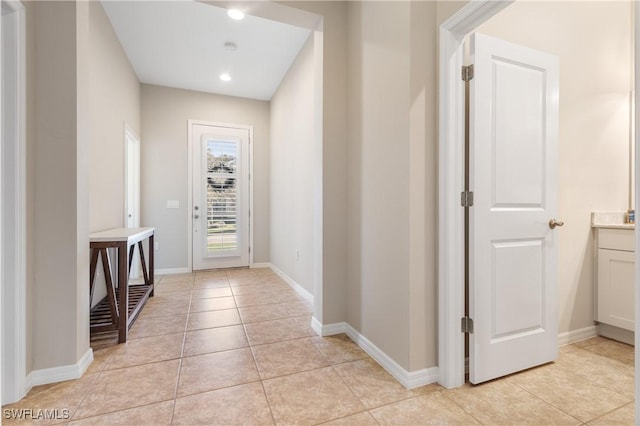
point(220, 196)
point(513, 248)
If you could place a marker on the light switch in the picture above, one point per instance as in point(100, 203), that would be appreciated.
point(173, 204)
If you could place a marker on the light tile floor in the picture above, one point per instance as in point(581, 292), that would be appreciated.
point(235, 347)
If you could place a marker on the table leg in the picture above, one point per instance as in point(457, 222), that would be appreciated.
point(123, 283)
point(133, 246)
point(151, 266)
point(111, 293)
point(143, 263)
point(92, 274)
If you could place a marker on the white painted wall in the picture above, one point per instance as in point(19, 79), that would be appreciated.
point(164, 156)
point(293, 167)
point(593, 42)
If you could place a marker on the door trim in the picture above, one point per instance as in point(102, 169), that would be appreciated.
point(190, 124)
point(451, 363)
point(636, 146)
point(15, 296)
point(131, 135)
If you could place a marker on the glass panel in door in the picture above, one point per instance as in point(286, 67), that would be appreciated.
point(222, 198)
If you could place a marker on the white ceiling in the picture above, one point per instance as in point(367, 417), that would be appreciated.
point(181, 44)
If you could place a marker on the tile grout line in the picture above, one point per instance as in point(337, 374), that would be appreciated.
point(184, 339)
point(118, 411)
point(544, 400)
point(255, 363)
point(85, 395)
point(444, 394)
point(609, 412)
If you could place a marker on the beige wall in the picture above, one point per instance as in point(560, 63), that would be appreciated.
point(423, 193)
point(57, 199)
point(293, 168)
point(592, 40)
point(164, 176)
point(332, 298)
point(81, 90)
point(391, 159)
point(115, 101)
point(378, 164)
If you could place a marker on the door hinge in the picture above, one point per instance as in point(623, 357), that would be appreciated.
point(466, 325)
point(466, 198)
point(467, 72)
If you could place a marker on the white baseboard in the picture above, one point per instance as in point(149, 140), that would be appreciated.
point(171, 271)
point(294, 285)
point(316, 326)
point(261, 265)
point(408, 379)
point(577, 335)
point(328, 329)
point(60, 374)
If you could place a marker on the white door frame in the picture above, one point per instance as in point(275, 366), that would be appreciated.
point(451, 365)
point(636, 148)
point(451, 183)
point(130, 134)
point(190, 124)
point(13, 332)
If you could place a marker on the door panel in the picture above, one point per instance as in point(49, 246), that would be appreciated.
point(519, 167)
point(512, 173)
point(616, 279)
point(517, 262)
point(220, 197)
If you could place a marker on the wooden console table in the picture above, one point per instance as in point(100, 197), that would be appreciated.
point(118, 309)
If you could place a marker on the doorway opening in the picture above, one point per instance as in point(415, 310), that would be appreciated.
point(451, 238)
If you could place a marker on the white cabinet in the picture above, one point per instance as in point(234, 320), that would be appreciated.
point(616, 277)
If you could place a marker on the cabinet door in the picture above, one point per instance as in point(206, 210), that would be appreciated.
point(616, 292)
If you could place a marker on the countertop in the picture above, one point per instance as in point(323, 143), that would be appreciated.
point(613, 220)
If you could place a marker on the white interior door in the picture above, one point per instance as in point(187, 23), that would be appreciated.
point(220, 196)
point(513, 126)
point(132, 189)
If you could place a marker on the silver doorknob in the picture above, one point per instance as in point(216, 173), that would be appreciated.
point(553, 223)
point(196, 216)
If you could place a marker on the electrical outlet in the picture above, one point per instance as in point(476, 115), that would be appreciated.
point(155, 246)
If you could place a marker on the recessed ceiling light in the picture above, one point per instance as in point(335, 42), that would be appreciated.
point(225, 77)
point(235, 14)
